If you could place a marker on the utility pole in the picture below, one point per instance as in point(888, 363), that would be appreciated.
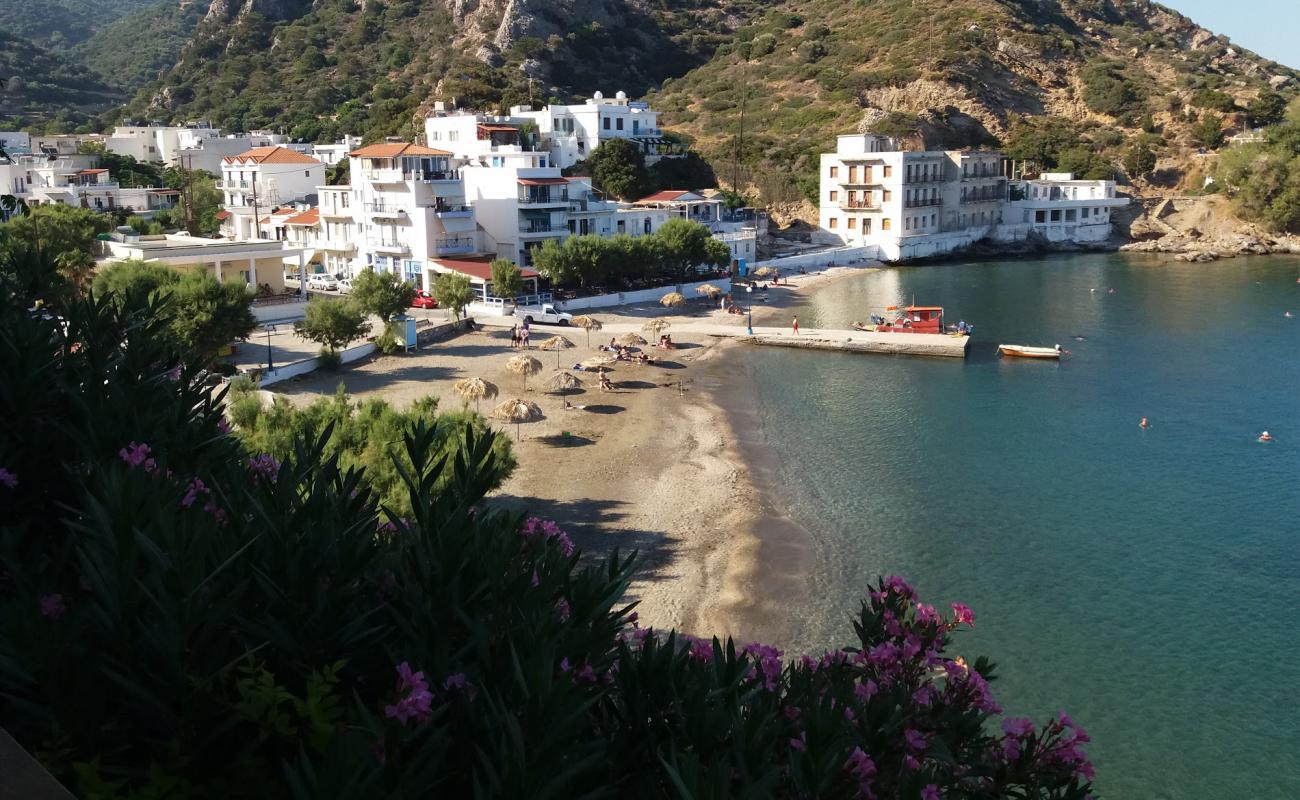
point(256, 233)
point(740, 133)
point(186, 165)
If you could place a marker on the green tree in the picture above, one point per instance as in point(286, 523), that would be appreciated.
point(507, 280)
point(339, 174)
point(1214, 100)
point(1208, 131)
point(204, 314)
point(331, 323)
point(1268, 108)
point(688, 244)
point(66, 234)
point(1139, 160)
point(1106, 90)
point(552, 262)
point(1040, 139)
point(1085, 163)
point(208, 314)
point(618, 169)
point(453, 292)
point(384, 294)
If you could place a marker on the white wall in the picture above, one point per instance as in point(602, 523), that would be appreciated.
point(642, 296)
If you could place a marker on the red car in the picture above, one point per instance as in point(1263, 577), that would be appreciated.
point(424, 300)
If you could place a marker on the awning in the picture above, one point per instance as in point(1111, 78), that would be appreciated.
point(543, 182)
point(499, 128)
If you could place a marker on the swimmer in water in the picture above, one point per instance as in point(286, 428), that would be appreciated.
point(1265, 437)
point(1288, 314)
point(1111, 291)
point(1080, 339)
point(1144, 423)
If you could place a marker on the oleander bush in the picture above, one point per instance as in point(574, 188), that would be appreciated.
point(181, 617)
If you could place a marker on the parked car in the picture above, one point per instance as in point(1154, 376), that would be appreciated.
point(345, 286)
point(323, 281)
point(545, 314)
point(424, 300)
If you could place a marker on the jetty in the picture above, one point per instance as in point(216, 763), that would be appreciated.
point(853, 341)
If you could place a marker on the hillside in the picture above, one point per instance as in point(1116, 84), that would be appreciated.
point(60, 24)
point(137, 48)
point(41, 87)
point(1121, 76)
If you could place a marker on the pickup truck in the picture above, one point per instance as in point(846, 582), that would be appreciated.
point(545, 314)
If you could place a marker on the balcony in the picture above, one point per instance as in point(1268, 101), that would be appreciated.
point(336, 245)
point(235, 186)
point(559, 198)
point(858, 205)
point(452, 210)
point(922, 203)
point(384, 211)
point(931, 179)
point(860, 180)
point(538, 227)
point(452, 245)
point(388, 246)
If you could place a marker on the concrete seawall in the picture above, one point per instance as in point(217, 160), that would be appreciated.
point(903, 344)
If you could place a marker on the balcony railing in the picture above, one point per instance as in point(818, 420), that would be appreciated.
point(858, 205)
point(453, 244)
point(922, 203)
point(543, 198)
point(388, 245)
point(440, 208)
point(234, 186)
point(538, 227)
point(384, 209)
point(930, 179)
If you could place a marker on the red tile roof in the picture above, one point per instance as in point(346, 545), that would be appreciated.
point(274, 154)
point(396, 150)
point(223, 215)
point(477, 267)
point(309, 217)
point(666, 196)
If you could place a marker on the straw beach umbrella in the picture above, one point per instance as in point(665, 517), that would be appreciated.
point(517, 411)
point(631, 340)
point(562, 382)
point(525, 366)
point(709, 289)
point(556, 343)
point(475, 389)
point(672, 300)
point(656, 326)
point(588, 324)
point(764, 272)
point(598, 361)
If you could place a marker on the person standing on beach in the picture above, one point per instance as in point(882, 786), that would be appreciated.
point(795, 326)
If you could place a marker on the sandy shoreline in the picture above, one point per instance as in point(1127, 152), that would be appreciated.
point(671, 464)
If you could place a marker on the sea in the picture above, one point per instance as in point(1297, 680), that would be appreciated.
point(1146, 581)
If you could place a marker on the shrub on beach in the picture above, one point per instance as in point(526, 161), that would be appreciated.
point(183, 617)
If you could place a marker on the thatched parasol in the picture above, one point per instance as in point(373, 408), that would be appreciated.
point(764, 272)
point(475, 389)
point(588, 324)
point(709, 289)
point(672, 300)
point(517, 411)
point(656, 326)
point(562, 382)
point(631, 340)
point(525, 366)
point(556, 343)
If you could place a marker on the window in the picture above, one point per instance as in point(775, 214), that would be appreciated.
point(884, 223)
point(886, 195)
point(835, 196)
point(619, 124)
point(1040, 216)
point(866, 174)
point(853, 174)
point(453, 136)
point(834, 223)
point(853, 223)
point(1069, 215)
point(435, 136)
point(835, 172)
point(889, 171)
point(306, 173)
point(605, 120)
point(853, 197)
point(907, 174)
point(647, 225)
point(582, 146)
point(1085, 213)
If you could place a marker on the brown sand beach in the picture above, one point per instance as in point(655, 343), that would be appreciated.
point(670, 463)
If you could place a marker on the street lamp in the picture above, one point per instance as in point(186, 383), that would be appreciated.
point(269, 330)
point(749, 321)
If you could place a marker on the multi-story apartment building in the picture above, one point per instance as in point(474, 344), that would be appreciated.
point(74, 181)
point(912, 204)
point(408, 205)
point(569, 133)
point(1063, 209)
point(264, 178)
point(482, 138)
point(337, 229)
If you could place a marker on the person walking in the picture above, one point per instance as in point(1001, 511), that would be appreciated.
point(514, 336)
point(795, 326)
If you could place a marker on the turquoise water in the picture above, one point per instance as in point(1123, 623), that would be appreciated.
point(1147, 581)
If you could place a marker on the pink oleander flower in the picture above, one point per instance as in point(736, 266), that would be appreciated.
point(8, 479)
point(53, 605)
point(922, 696)
point(137, 455)
point(962, 615)
point(564, 664)
point(698, 649)
point(911, 764)
point(1018, 727)
point(174, 374)
point(459, 683)
point(193, 491)
point(536, 581)
point(926, 614)
point(224, 427)
point(586, 676)
point(884, 654)
point(860, 764)
point(865, 691)
point(769, 663)
point(633, 617)
point(562, 609)
point(215, 511)
point(265, 466)
point(1063, 720)
point(897, 585)
point(408, 680)
point(417, 704)
point(911, 647)
point(930, 792)
point(800, 743)
point(1010, 749)
point(915, 740)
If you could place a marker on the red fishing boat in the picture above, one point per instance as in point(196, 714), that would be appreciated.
point(914, 319)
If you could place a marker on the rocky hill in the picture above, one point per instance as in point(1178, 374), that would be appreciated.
point(39, 86)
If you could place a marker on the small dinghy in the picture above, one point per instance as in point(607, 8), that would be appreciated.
point(1025, 351)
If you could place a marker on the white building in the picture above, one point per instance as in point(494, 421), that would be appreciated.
point(484, 139)
point(256, 263)
point(75, 181)
point(914, 204)
point(264, 178)
point(1062, 209)
point(407, 205)
point(569, 133)
point(331, 154)
point(15, 142)
point(737, 229)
